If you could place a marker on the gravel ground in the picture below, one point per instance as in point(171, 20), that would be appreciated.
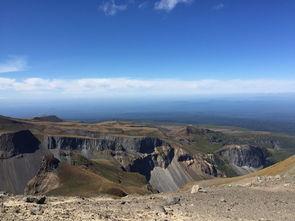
point(222, 203)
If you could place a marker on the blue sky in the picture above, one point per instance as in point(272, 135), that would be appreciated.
point(131, 46)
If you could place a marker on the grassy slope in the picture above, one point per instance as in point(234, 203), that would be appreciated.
point(111, 170)
point(88, 178)
point(82, 181)
point(284, 167)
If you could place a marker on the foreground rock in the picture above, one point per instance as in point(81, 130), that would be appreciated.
point(35, 199)
point(195, 189)
point(219, 204)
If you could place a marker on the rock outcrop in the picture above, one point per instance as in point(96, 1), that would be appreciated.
point(46, 179)
point(170, 168)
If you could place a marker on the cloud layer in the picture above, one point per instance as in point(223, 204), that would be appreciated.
point(13, 64)
point(125, 87)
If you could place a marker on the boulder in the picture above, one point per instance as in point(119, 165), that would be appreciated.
point(35, 199)
point(195, 189)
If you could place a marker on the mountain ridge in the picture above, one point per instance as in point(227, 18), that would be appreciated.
point(166, 156)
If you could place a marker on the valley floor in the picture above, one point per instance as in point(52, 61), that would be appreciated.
point(232, 202)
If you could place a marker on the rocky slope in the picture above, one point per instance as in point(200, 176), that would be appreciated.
point(219, 203)
point(20, 159)
point(45, 180)
point(116, 156)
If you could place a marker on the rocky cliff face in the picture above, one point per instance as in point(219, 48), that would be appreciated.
point(244, 157)
point(125, 149)
point(12, 144)
point(169, 168)
point(165, 167)
point(161, 157)
point(101, 143)
point(182, 168)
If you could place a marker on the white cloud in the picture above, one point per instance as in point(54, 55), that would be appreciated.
point(218, 6)
point(7, 83)
point(168, 5)
point(13, 64)
point(111, 8)
point(125, 87)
